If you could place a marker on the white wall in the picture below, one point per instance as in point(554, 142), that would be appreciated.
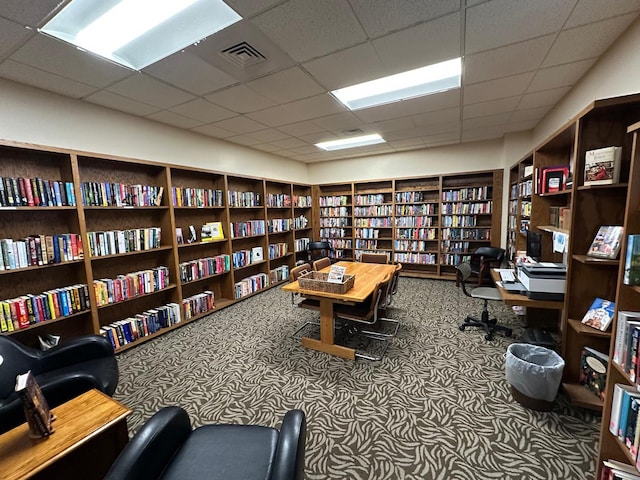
point(35, 116)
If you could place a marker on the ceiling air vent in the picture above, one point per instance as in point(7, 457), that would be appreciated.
point(353, 131)
point(243, 55)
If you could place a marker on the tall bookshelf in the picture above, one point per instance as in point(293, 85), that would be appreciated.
point(627, 298)
point(335, 218)
point(126, 254)
point(520, 205)
point(303, 220)
point(373, 218)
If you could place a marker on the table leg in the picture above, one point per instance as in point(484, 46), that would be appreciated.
point(325, 344)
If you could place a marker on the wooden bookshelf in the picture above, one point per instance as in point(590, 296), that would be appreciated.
point(334, 218)
point(519, 207)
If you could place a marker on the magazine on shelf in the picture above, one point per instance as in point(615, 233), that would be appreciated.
point(606, 243)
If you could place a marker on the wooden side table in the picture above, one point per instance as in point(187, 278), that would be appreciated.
point(90, 432)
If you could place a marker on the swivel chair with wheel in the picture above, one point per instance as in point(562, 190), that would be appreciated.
point(489, 326)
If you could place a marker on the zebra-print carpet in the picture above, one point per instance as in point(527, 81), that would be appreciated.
point(436, 407)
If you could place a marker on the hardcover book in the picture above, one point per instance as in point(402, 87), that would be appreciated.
point(632, 261)
point(257, 254)
point(593, 371)
point(599, 314)
point(212, 231)
point(602, 166)
point(606, 243)
point(36, 408)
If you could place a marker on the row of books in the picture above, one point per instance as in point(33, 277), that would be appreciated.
point(197, 197)
point(471, 193)
point(614, 470)
point(301, 244)
point(36, 192)
point(373, 222)
point(104, 194)
point(417, 233)
point(278, 200)
point(279, 274)
point(130, 285)
point(300, 222)
point(374, 199)
point(560, 217)
point(459, 221)
point(467, 208)
point(335, 212)
point(244, 199)
point(277, 225)
point(302, 201)
point(335, 221)
point(339, 243)
point(198, 303)
point(334, 201)
point(525, 209)
point(408, 197)
point(242, 258)
point(247, 229)
point(367, 232)
point(525, 189)
point(204, 267)
point(454, 247)
point(416, 258)
point(424, 209)
point(113, 242)
point(40, 250)
point(369, 244)
point(251, 284)
point(627, 342)
point(550, 179)
point(632, 261)
point(410, 245)
point(123, 332)
point(416, 222)
point(358, 253)
point(27, 310)
point(373, 210)
point(466, 233)
point(278, 250)
point(334, 232)
point(453, 258)
point(624, 421)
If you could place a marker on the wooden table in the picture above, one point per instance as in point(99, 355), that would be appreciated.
point(368, 275)
point(537, 314)
point(90, 431)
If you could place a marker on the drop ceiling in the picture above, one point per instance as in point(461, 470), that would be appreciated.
point(263, 83)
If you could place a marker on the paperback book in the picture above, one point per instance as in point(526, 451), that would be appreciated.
point(600, 314)
point(36, 408)
point(606, 243)
point(593, 371)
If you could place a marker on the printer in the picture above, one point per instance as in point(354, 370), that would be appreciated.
point(543, 280)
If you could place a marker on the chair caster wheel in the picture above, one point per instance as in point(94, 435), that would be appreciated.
point(488, 337)
point(493, 321)
point(461, 327)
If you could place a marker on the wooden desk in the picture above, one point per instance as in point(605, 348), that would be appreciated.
point(368, 275)
point(90, 431)
point(537, 314)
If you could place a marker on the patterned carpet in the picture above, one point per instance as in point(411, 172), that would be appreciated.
point(436, 407)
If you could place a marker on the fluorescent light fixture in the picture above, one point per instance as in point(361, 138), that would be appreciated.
point(137, 33)
point(414, 83)
point(351, 142)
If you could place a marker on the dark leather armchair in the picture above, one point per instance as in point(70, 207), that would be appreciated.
point(63, 372)
point(317, 250)
point(166, 447)
point(483, 260)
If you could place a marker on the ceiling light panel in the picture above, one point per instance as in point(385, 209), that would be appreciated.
point(137, 33)
point(421, 81)
point(351, 142)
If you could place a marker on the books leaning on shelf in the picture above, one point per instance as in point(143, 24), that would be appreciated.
point(602, 166)
point(35, 192)
point(36, 408)
point(625, 351)
point(614, 470)
point(600, 314)
point(632, 261)
point(606, 243)
point(593, 371)
point(38, 250)
point(212, 231)
point(624, 417)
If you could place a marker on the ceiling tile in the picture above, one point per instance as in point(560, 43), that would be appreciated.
point(40, 79)
point(269, 134)
point(33, 14)
point(339, 122)
point(517, 58)
point(413, 106)
point(543, 98)
point(202, 110)
point(266, 147)
point(314, 138)
point(587, 41)
point(286, 86)
point(406, 50)
point(300, 158)
point(407, 142)
point(117, 102)
point(494, 89)
point(530, 114)
point(149, 90)
point(284, 153)
point(248, 8)
point(307, 29)
point(488, 121)
point(521, 126)
point(349, 67)
point(240, 124)
point(589, 11)
point(301, 128)
point(11, 35)
point(450, 136)
point(66, 61)
point(490, 108)
point(201, 77)
point(305, 150)
point(240, 99)
point(388, 125)
point(440, 116)
point(379, 17)
point(174, 119)
point(319, 106)
point(501, 22)
point(245, 140)
point(214, 131)
point(289, 143)
point(485, 133)
point(560, 76)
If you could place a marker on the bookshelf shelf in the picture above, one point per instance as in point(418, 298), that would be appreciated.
point(206, 277)
point(36, 209)
point(203, 207)
point(47, 323)
point(552, 229)
point(582, 329)
point(249, 237)
point(123, 207)
point(603, 187)
point(201, 244)
point(581, 397)
point(138, 297)
point(555, 194)
point(131, 254)
point(39, 267)
point(249, 265)
point(587, 260)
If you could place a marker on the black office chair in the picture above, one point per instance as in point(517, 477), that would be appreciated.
point(166, 447)
point(483, 260)
point(483, 293)
point(317, 250)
